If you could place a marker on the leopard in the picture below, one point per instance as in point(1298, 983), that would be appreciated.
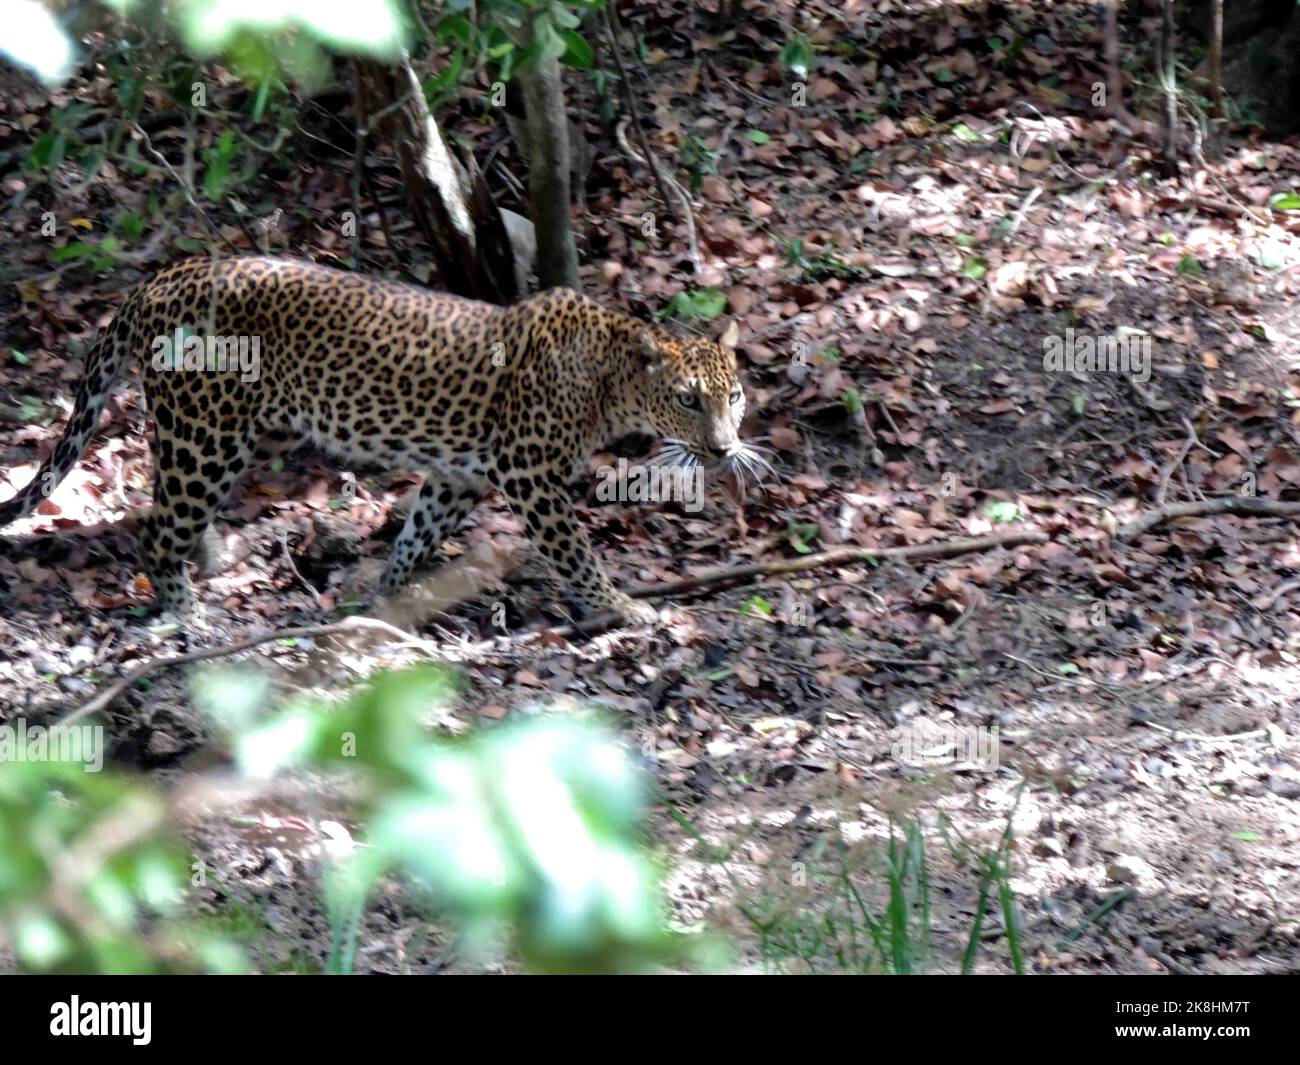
point(473, 397)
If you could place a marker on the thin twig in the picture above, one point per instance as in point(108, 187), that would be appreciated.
point(1019, 217)
point(384, 226)
point(1241, 506)
point(1175, 463)
point(106, 697)
point(688, 217)
point(186, 187)
point(293, 568)
point(1266, 601)
point(1201, 737)
point(616, 50)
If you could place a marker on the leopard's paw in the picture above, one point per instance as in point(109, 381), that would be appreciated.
point(636, 611)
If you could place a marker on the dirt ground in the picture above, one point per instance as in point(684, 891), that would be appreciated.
point(1143, 692)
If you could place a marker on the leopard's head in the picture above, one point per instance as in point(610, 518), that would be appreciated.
point(690, 396)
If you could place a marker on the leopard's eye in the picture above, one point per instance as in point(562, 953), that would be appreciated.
point(737, 396)
point(688, 400)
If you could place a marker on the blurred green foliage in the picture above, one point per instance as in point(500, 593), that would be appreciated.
point(91, 880)
point(528, 832)
point(528, 836)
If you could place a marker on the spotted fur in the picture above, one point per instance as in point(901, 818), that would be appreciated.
point(474, 396)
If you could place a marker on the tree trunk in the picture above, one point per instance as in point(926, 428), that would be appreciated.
point(1167, 74)
point(455, 214)
point(1216, 57)
point(1259, 71)
point(548, 172)
point(1114, 86)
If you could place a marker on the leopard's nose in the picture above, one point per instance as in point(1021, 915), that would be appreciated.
point(719, 452)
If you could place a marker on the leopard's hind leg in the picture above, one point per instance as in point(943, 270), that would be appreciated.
point(196, 464)
point(441, 504)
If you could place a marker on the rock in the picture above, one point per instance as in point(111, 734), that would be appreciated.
point(1130, 869)
point(336, 539)
point(1049, 847)
point(163, 745)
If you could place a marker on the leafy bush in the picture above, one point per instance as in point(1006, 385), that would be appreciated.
point(528, 835)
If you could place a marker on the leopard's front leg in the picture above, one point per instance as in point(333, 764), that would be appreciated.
point(543, 505)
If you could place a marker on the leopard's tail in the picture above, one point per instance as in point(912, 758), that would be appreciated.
point(104, 365)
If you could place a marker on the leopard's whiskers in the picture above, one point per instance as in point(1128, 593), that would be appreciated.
point(747, 458)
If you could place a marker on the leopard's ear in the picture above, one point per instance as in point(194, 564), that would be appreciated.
point(648, 351)
point(730, 336)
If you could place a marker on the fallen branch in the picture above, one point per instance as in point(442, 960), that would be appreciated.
point(1242, 506)
point(588, 626)
point(838, 556)
point(596, 624)
point(107, 697)
point(1201, 737)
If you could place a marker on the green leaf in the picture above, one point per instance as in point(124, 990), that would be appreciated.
point(216, 178)
point(1247, 837)
point(1284, 201)
point(1002, 510)
point(548, 41)
point(797, 56)
point(798, 534)
point(1272, 255)
point(57, 150)
point(39, 941)
point(577, 53)
point(457, 28)
point(757, 605)
point(132, 226)
point(702, 303)
point(757, 136)
point(975, 269)
point(963, 132)
point(75, 250)
point(259, 101)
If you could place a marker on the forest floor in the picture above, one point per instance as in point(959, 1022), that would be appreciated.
point(900, 246)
